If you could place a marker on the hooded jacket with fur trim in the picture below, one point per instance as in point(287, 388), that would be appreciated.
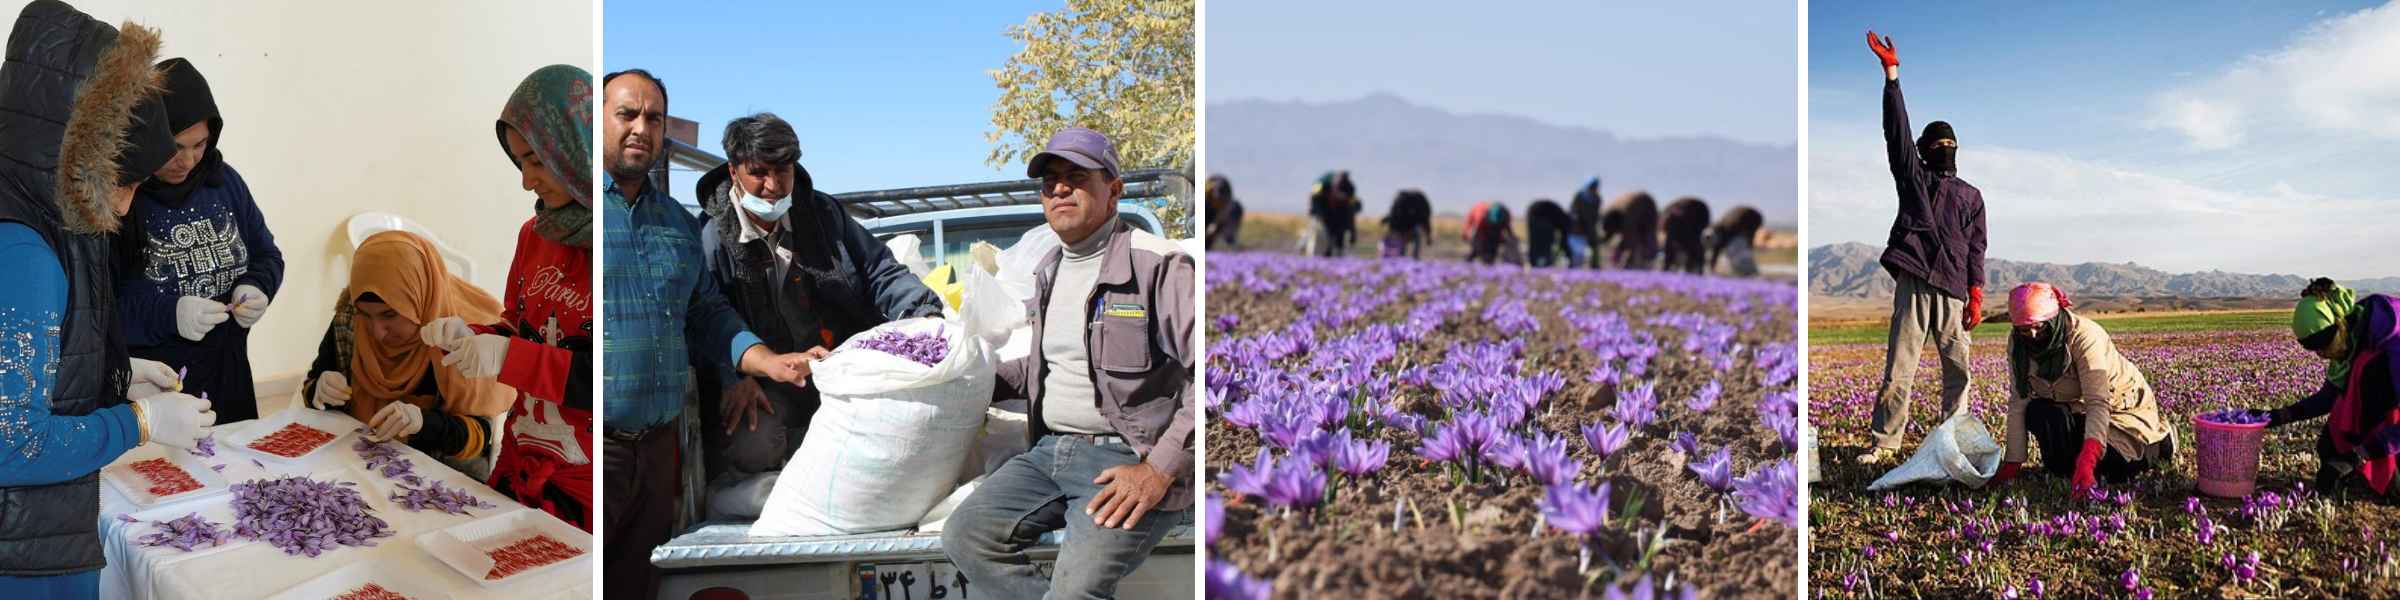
point(68, 92)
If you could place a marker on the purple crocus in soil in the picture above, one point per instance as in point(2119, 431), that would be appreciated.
point(1547, 461)
point(1226, 321)
point(1506, 451)
point(1686, 443)
point(1637, 406)
point(1444, 444)
point(1212, 519)
point(1362, 457)
point(1770, 493)
point(2131, 579)
point(1228, 581)
point(1295, 485)
point(1706, 397)
point(2034, 586)
point(1606, 438)
point(1573, 509)
point(1716, 471)
point(1250, 479)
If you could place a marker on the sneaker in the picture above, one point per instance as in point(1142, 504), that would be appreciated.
point(1877, 456)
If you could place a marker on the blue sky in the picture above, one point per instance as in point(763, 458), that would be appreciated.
point(883, 94)
point(1638, 69)
point(2241, 136)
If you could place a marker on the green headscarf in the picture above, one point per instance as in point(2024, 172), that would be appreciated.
point(2044, 357)
point(2325, 305)
point(552, 108)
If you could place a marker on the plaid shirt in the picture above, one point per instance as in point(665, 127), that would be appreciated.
point(661, 304)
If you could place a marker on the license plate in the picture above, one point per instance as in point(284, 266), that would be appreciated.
point(932, 580)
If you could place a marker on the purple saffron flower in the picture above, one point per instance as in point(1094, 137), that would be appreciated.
point(1716, 471)
point(1572, 509)
point(1606, 438)
point(1445, 444)
point(1228, 581)
point(1686, 444)
point(1362, 457)
point(1250, 479)
point(1636, 407)
point(1702, 400)
point(1506, 451)
point(1212, 517)
point(2131, 579)
point(1770, 493)
point(927, 348)
point(1295, 485)
point(1547, 461)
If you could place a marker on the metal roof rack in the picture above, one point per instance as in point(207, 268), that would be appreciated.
point(1139, 185)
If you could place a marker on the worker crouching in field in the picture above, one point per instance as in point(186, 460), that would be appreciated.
point(2089, 408)
point(2356, 337)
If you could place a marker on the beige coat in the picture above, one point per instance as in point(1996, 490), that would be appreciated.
point(2116, 402)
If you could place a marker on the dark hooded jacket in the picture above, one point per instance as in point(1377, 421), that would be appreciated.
point(198, 238)
point(69, 88)
point(1938, 235)
point(1741, 224)
point(843, 281)
point(1632, 219)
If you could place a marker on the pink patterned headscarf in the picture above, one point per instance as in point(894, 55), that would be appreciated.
point(2035, 302)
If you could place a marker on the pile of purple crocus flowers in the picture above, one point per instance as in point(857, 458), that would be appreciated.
point(303, 516)
point(927, 348)
point(187, 533)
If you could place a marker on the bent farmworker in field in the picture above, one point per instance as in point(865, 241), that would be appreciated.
point(1224, 215)
point(1632, 221)
point(1935, 254)
point(1685, 222)
point(1411, 220)
point(2357, 337)
point(1731, 238)
point(2089, 408)
point(1546, 230)
point(1334, 203)
point(1489, 237)
point(1583, 240)
point(1111, 386)
point(798, 269)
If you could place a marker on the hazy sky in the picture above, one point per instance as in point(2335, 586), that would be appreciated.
point(2248, 137)
point(1638, 69)
point(883, 94)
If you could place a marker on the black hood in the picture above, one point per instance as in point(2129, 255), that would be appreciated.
point(189, 101)
point(73, 86)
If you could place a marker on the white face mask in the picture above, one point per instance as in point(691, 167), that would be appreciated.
point(766, 210)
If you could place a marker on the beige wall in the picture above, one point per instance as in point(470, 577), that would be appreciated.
point(333, 108)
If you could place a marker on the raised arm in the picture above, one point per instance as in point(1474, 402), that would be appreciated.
point(1900, 146)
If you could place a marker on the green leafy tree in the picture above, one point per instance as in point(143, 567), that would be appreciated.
point(1122, 67)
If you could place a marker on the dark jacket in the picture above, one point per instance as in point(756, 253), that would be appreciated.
point(1546, 228)
point(202, 245)
point(843, 281)
point(1938, 235)
point(1740, 224)
point(1140, 341)
point(47, 131)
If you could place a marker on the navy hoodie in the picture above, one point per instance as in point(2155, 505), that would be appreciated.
point(213, 240)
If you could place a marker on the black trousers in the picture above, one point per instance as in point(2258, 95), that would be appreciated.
point(2059, 433)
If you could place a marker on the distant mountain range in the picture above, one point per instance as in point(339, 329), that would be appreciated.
point(1853, 269)
point(1273, 150)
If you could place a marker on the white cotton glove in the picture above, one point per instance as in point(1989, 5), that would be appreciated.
point(396, 420)
point(151, 377)
point(445, 332)
point(195, 315)
point(177, 419)
point(333, 389)
point(249, 303)
point(478, 357)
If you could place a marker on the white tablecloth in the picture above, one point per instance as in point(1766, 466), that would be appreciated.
point(256, 569)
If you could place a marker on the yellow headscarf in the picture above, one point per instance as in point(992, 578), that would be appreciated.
point(407, 273)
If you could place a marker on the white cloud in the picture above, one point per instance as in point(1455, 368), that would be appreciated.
point(2048, 207)
point(2339, 78)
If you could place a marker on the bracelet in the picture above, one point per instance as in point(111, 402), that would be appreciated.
point(141, 422)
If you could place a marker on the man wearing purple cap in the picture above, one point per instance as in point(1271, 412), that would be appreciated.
point(1110, 386)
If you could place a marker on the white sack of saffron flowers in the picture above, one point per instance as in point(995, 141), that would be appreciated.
point(894, 435)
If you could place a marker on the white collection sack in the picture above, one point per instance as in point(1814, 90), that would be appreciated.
point(1960, 450)
point(892, 436)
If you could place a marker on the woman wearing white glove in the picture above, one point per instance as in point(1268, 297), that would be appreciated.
point(376, 365)
point(175, 419)
point(196, 265)
point(476, 355)
point(151, 377)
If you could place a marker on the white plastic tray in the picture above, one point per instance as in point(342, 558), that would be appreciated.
point(137, 488)
point(337, 425)
point(462, 546)
point(356, 575)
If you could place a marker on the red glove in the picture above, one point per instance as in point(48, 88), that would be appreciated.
point(2084, 463)
point(1883, 49)
point(2008, 472)
point(1974, 307)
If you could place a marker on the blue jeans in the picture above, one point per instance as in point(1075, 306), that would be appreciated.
point(1037, 492)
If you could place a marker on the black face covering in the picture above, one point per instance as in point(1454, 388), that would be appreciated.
point(1940, 160)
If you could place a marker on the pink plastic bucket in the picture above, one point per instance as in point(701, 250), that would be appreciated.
point(2228, 456)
